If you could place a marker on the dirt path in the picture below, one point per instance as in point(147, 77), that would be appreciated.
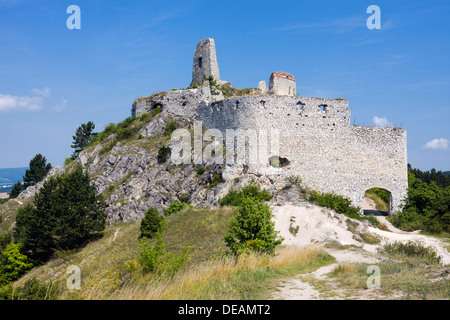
point(316, 225)
point(301, 287)
point(369, 204)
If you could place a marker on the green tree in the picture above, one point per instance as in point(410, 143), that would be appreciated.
point(34, 227)
point(14, 264)
point(83, 136)
point(151, 224)
point(39, 168)
point(17, 188)
point(252, 229)
point(78, 211)
point(67, 213)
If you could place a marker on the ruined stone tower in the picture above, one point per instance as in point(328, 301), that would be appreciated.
point(205, 62)
point(282, 84)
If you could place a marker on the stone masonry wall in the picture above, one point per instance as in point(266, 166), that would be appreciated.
point(315, 136)
point(205, 62)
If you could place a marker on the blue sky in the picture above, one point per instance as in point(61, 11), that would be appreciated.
point(52, 79)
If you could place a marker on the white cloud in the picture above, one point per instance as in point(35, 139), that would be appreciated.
point(43, 93)
point(61, 106)
point(24, 103)
point(381, 122)
point(9, 103)
point(437, 144)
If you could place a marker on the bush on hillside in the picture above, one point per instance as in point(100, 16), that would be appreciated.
point(174, 207)
point(252, 229)
point(13, 264)
point(151, 224)
point(156, 259)
point(252, 191)
point(427, 207)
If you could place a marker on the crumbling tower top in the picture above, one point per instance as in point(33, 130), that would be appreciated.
point(282, 84)
point(205, 62)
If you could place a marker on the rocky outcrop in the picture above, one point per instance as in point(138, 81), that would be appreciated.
point(131, 179)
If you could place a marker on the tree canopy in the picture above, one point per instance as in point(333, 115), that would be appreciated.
point(83, 136)
point(66, 213)
point(39, 168)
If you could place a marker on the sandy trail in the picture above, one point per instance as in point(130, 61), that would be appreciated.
point(369, 204)
point(317, 225)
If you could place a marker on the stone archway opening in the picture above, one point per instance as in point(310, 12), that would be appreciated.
point(377, 201)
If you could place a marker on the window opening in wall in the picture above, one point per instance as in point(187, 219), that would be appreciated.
point(323, 107)
point(300, 105)
point(200, 62)
point(279, 162)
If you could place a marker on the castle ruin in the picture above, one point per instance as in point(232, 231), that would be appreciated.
point(316, 139)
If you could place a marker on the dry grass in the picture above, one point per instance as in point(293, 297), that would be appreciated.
point(380, 205)
point(223, 278)
point(110, 268)
point(343, 268)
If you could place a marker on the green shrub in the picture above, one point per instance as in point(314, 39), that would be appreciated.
point(336, 202)
point(124, 133)
point(236, 197)
point(200, 170)
point(411, 249)
point(14, 264)
point(217, 178)
point(126, 123)
point(151, 254)
point(156, 110)
point(110, 129)
point(184, 197)
point(145, 116)
point(174, 207)
point(171, 126)
point(163, 154)
point(6, 292)
point(35, 290)
point(67, 161)
point(154, 258)
point(427, 206)
point(252, 229)
point(151, 224)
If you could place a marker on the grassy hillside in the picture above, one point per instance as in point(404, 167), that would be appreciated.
point(110, 268)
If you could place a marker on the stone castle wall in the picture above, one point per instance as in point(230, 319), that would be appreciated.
point(315, 136)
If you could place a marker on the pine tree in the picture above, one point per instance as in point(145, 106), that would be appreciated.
point(83, 136)
point(37, 172)
point(151, 224)
point(66, 214)
point(17, 188)
point(35, 224)
point(80, 211)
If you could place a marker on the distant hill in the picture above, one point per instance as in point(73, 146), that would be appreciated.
point(9, 176)
point(447, 172)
